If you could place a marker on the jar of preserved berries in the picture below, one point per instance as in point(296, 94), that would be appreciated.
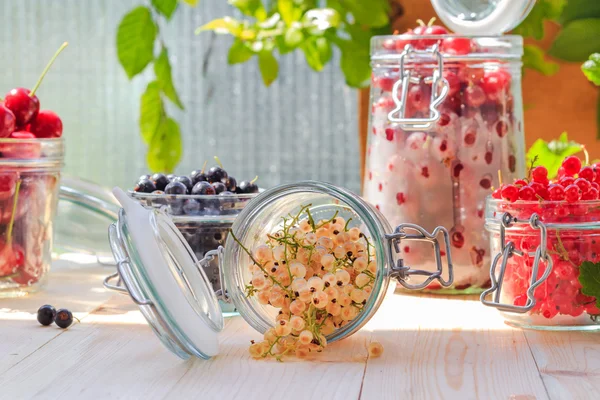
point(543, 254)
point(446, 119)
point(279, 232)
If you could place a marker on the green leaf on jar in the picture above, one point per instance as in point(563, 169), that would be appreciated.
point(164, 151)
point(151, 111)
point(162, 69)
point(355, 63)
point(591, 68)
point(589, 277)
point(251, 8)
point(165, 7)
point(269, 67)
point(135, 40)
point(371, 13)
point(551, 154)
point(533, 24)
point(239, 52)
point(533, 58)
point(580, 9)
point(317, 52)
point(577, 40)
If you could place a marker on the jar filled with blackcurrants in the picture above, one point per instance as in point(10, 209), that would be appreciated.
point(446, 121)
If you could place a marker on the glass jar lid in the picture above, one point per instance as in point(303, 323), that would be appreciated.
point(482, 17)
point(163, 276)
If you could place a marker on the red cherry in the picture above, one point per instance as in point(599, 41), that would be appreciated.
point(47, 125)
point(8, 183)
point(384, 82)
point(557, 192)
point(494, 83)
point(587, 173)
point(458, 239)
point(10, 260)
point(520, 300)
point(7, 121)
point(572, 194)
point(510, 193)
point(571, 165)
point(418, 97)
point(453, 83)
point(456, 45)
point(24, 106)
point(436, 30)
point(474, 96)
point(497, 194)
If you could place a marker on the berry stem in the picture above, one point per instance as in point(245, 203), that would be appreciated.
point(255, 179)
point(500, 178)
point(420, 22)
point(45, 71)
point(587, 155)
point(12, 215)
point(203, 167)
point(219, 162)
point(431, 21)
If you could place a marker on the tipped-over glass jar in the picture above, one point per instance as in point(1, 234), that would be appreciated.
point(161, 273)
point(446, 118)
point(29, 184)
point(545, 263)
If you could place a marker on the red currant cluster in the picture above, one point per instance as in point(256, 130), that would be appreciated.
point(574, 183)
point(571, 198)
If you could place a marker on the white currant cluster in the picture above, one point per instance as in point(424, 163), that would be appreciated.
point(318, 274)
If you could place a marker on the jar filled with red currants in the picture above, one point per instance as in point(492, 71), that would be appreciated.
point(446, 116)
point(545, 239)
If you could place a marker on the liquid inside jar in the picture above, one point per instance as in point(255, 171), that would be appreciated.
point(560, 301)
point(441, 175)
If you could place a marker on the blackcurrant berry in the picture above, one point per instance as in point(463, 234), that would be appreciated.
point(170, 177)
point(219, 187)
point(145, 176)
point(231, 183)
point(216, 174)
point(160, 181)
point(144, 186)
point(176, 188)
point(186, 181)
point(46, 315)
point(191, 207)
point(64, 318)
point(203, 188)
point(198, 175)
point(247, 187)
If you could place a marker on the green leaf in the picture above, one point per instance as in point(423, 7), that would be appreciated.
point(533, 57)
point(577, 40)
point(292, 38)
point(533, 25)
point(286, 10)
point(251, 8)
point(551, 155)
point(598, 117)
point(269, 67)
point(221, 26)
point(371, 13)
point(162, 69)
point(151, 111)
point(192, 3)
point(239, 52)
point(580, 9)
point(591, 68)
point(355, 63)
point(317, 52)
point(164, 151)
point(135, 40)
point(165, 7)
point(589, 277)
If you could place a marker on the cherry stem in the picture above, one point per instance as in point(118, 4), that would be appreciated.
point(500, 177)
point(255, 179)
point(203, 167)
point(45, 71)
point(431, 21)
point(12, 215)
point(420, 22)
point(219, 162)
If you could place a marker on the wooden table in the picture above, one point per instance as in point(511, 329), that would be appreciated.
point(434, 348)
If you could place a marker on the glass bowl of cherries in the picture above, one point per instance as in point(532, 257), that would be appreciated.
point(31, 158)
point(203, 205)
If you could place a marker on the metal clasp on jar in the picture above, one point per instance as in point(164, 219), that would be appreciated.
point(509, 250)
point(439, 90)
point(403, 272)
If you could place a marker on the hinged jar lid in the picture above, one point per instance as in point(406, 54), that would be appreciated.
point(162, 275)
point(482, 17)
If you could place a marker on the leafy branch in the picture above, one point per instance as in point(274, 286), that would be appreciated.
point(313, 27)
point(138, 35)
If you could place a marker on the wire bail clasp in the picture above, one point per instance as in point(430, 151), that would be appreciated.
point(509, 250)
point(209, 256)
point(439, 90)
point(403, 272)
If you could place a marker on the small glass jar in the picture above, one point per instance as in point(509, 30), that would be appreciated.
point(538, 248)
point(160, 271)
point(447, 117)
point(29, 183)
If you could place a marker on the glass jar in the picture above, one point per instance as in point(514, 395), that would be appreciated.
point(204, 221)
point(539, 249)
point(160, 271)
point(446, 120)
point(29, 183)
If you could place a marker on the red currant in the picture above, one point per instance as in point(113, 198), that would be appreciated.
point(474, 96)
point(556, 192)
point(539, 174)
point(583, 184)
point(571, 165)
point(527, 193)
point(510, 193)
point(566, 181)
point(587, 173)
point(572, 194)
point(591, 194)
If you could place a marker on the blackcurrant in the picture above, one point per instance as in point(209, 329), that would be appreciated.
point(216, 174)
point(203, 188)
point(186, 181)
point(219, 187)
point(145, 176)
point(198, 175)
point(191, 207)
point(170, 177)
point(231, 183)
point(247, 187)
point(144, 186)
point(160, 181)
point(64, 318)
point(46, 315)
point(176, 188)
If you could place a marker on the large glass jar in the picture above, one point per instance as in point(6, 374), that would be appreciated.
point(541, 250)
point(161, 273)
point(446, 123)
point(29, 183)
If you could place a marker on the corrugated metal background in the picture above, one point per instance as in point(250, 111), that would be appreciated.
point(303, 127)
